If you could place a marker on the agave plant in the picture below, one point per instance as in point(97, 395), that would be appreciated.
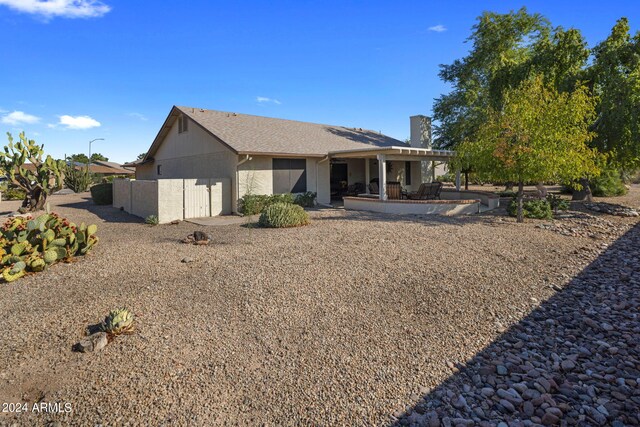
point(117, 322)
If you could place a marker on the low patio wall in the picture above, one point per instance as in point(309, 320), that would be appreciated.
point(417, 207)
point(488, 199)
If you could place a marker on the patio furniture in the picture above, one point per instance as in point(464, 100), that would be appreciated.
point(355, 189)
point(434, 191)
point(420, 194)
point(394, 191)
point(373, 188)
point(427, 191)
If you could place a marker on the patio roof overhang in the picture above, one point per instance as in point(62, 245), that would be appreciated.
point(385, 154)
point(395, 153)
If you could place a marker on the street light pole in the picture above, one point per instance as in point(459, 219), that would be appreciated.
point(89, 159)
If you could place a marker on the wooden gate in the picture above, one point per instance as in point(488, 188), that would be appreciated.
point(197, 200)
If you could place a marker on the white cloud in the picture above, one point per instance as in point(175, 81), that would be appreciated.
point(437, 28)
point(138, 116)
point(78, 122)
point(19, 117)
point(63, 8)
point(262, 99)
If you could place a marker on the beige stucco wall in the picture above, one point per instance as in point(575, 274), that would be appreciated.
point(166, 199)
point(122, 194)
point(323, 171)
point(144, 198)
point(255, 176)
point(191, 154)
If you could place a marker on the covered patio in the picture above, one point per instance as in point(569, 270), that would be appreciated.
point(407, 168)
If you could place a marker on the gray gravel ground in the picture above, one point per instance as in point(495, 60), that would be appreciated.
point(348, 321)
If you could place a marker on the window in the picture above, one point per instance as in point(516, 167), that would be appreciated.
point(407, 173)
point(289, 176)
point(159, 166)
point(183, 123)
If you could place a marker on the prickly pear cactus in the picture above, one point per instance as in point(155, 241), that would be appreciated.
point(32, 244)
point(38, 182)
point(9, 276)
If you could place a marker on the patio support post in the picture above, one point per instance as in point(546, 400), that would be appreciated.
point(367, 175)
point(382, 175)
point(458, 180)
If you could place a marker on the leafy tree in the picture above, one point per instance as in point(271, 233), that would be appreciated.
point(540, 134)
point(141, 156)
point(496, 62)
point(38, 183)
point(615, 78)
point(82, 158)
point(507, 50)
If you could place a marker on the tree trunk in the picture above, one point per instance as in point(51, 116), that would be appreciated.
point(584, 194)
point(520, 217)
point(466, 180)
point(34, 201)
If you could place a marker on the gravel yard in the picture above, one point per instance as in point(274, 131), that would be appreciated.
point(349, 321)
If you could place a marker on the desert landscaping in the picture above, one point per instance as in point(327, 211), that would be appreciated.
point(420, 214)
point(355, 319)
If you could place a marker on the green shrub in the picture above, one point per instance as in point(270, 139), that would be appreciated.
point(102, 194)
point(557, 203)
point(151, 220)
point(32, 244)
point(532, 208)
point(280, 215)
point(608, 184)
point(306, 200)
point(13, 193)
point(447, 177)
point(77, 180)
point(252, 204)
point(507, 194)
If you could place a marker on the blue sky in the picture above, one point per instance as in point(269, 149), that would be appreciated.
point(75, 70)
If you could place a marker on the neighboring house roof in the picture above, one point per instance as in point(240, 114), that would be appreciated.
point(102, 167)
point(246, 134)
point(95, 167)
point(114, 166)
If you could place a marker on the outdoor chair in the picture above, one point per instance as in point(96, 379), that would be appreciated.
point(355, 189)
point(420, 194)
point(434, 191)
point(394, 191)
point(373, 188)
point(427, 191)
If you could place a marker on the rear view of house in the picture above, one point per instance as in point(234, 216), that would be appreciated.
point(229, 155)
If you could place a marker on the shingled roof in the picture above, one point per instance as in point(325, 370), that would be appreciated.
point(246, 134)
